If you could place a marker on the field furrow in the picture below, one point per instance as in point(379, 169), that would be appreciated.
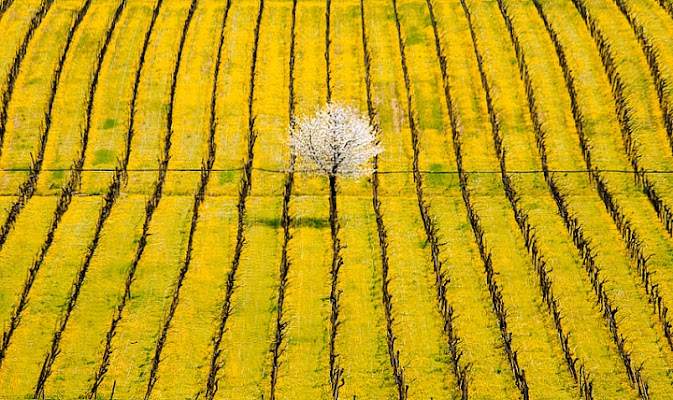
point(245, 189)
point(425, 374)
point(280, 324)
point(49, 293)
point(361, 342)
point(186, 325)
point(135, 359)
point(533, 60)
point(549, 377)
point(104, 276)
point(618, 271)
point(34, 92)
point(304, 369)
point(64, 199)
point(381, 230)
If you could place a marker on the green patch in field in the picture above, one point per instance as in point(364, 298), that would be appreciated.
point(430, 113)
point(56, 178)
point(416, 12)
point(355, 12)
point(311, 222)
point(270, 222)
point(436, 178)
point(540, 184)
point(109, 123)
point(226, 176)
point(103, 156)
point(465, 226)
point(415, 36)
point(34, 81)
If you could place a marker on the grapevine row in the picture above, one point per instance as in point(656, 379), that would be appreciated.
point(13, 74)
point(575, 228)
point(65, 196)
point(286, 223)
point(27, 188)
point(108, 202)
point(667, 6)
point(652, 57)
point(573, 225)
point(136, 84)
point(243, 193)
point(580, 376)
point(199, 196)
point(393, 354)
point(198, 200)
point(336, 372)
point(494, 289)
point(628, 232)
point(429, 224)
point(624, 114)
point(150, 206)
point(4, 6)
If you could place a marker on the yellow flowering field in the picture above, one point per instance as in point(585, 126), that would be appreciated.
point(513, 240)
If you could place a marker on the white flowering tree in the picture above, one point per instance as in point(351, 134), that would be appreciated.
point(336, 141)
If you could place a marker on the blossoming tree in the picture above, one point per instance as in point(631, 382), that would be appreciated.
point(337, 141)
